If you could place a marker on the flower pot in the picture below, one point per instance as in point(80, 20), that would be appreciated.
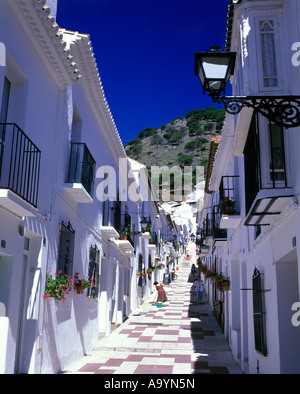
point(230, 210)
point(79, 289)
point(226, 286)
point(124, 237)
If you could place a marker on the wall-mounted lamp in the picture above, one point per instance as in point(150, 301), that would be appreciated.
point(214, 69)
point(145, 222)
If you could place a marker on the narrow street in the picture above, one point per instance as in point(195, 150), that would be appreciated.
point(182, 337)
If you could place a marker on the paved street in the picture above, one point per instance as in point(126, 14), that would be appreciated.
point(182, 337)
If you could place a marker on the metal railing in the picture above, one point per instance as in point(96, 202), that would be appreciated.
point(219, 233)
point(82, 167)
point(229, 194)
point(211, 225)
point(19, 163)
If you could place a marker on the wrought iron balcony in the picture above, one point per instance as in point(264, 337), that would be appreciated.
point(207, 230)
point(81, 173)
point(211, 231)
point(19, 163)
point(229, 202)
point(220, 234)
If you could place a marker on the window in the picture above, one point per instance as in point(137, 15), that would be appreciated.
point(259, 314)
point(274, 141)
point(5, 100)
point(276, 154)
point(270, 76)
point(26, 243)
point(94, 256)
point(3, 116)
point(66, 249)
point(140, 268)
point(106, 213)
point(82, 167)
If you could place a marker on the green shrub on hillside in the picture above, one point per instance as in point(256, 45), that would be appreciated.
point(176, 137)
point(135, 141)
point(209, 126)
point(185, 160)
point(195, 144)
point(213, 114)
point(147, 132)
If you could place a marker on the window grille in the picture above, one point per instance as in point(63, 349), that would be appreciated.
point(259, 314)
point(94, 258)
point(66, 249)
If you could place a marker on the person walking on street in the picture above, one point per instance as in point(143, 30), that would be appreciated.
point(193, 271)
point(198, 285)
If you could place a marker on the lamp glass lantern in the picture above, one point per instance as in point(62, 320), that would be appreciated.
point(214, 69)
point(144, 224)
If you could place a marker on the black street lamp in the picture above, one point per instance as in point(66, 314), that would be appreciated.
point(214, 69)
point(144, 224)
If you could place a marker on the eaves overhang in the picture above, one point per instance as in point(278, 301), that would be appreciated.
point(44, 33)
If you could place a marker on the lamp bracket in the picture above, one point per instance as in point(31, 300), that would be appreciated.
point(281, 110)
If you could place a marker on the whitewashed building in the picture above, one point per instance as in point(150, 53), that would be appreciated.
point(257, 166)
point(63, 196)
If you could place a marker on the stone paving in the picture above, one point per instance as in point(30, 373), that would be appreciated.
point(182, 338)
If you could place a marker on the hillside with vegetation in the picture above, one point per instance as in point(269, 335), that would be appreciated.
point(184, 141)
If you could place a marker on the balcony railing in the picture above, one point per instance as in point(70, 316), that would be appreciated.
point(218, 232)
point(82, 167)
point(211, 226)
point(19, 163)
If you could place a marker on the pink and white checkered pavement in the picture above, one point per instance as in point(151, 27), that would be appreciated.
point(182, 338)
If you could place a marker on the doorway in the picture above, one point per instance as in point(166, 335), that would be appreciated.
point(287, 295)
point(30, 290)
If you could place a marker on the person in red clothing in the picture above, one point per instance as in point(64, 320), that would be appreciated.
point(161, 294)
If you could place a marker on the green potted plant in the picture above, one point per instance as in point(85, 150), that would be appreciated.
point(152, 241)
point(126, 233)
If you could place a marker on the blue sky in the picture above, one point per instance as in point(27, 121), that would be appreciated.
point(145, 54)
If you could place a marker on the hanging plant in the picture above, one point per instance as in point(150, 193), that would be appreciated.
point(211, 274)
point(203, 268)
point(57, 287)
point(222, 283)
point(81, 284)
